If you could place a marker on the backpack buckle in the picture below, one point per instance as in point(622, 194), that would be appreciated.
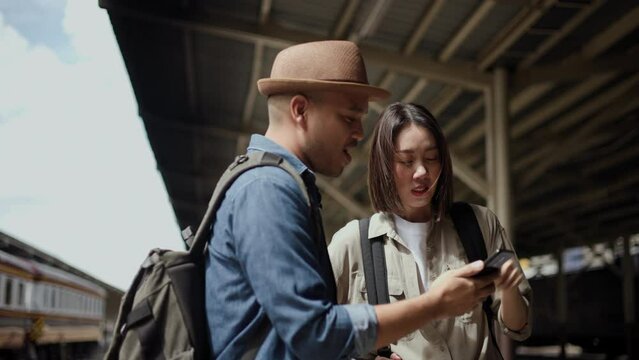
point(239, 160)
point(187, 236)
point(123, 329)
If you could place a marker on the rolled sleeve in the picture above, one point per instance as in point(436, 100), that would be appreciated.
point(364, 323)
point(499, 240)
point(523, 333)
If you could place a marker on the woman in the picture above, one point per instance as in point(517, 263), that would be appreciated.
point(410, 184)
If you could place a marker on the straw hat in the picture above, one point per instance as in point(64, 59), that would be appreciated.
point(322, 65)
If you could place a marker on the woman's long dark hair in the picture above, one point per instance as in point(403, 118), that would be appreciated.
point(381, 182)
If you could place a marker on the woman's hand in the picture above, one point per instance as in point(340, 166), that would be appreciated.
point(458, 292)
point(510, 276)
point(513, 307)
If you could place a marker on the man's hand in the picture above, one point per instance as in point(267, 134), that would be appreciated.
point(452, 294)
point(456, 292)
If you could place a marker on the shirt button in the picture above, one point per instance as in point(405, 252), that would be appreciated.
point(441, 348)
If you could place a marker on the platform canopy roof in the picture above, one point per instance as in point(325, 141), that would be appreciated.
point(572, 96)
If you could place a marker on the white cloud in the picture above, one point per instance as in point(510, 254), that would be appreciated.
point(78, 177)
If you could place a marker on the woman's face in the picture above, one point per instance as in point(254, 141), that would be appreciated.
point(416, 168)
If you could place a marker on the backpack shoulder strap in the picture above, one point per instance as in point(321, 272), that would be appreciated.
point(375, 273)
point(472, 240)
point(241, 164)
point(374, 261)
point(468, 230)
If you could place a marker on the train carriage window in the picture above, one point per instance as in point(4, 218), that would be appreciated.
point(8, 291)
point(21, 293)
point(45, 296)
point(2, 280)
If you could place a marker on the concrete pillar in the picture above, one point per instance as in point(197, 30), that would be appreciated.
point(489, 115)
point(503, 202)
point(629, 297)
point(562, 301)
point(498, 166)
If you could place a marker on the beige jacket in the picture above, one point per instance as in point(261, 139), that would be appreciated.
point(463, 337)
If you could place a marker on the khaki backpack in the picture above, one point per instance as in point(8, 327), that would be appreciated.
point(162, 315)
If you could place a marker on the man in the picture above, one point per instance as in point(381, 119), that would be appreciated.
point(270, 291)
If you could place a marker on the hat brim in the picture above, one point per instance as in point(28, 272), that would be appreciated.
point(269, 87)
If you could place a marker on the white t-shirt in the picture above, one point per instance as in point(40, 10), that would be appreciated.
point(414, 235)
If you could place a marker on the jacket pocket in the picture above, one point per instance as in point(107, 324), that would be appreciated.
point(395, 288)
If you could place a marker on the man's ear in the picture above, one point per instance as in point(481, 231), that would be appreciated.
point(298, 108)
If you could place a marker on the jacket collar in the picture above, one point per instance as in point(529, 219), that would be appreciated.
point(382, 224)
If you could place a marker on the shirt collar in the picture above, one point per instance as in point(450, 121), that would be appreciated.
point(262, 143)
point(382, 223)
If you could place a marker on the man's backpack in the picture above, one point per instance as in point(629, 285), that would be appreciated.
point(375, 261)
point(162, 315)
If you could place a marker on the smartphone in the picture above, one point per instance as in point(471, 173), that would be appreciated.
point(495, 261)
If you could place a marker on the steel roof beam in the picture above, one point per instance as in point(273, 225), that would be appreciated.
point(458, 120)
point(371, 22)
point(593, 48)
point(451, 93)
point(468, 176)
point(563, 149)
point(617, 158)
point(568, 27)
point(265, 11)
point(558, 104)
point(469, 26)
point(548, 154)
point(430, 13)
point(576, 69)
point(350, 7)
point(615, 32)
point(513, 31)
point(445, 98)
point(277, 37)
point(570, 201)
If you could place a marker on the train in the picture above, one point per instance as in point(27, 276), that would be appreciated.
point(48, 313)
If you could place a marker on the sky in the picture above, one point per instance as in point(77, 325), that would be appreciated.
point(78, 179)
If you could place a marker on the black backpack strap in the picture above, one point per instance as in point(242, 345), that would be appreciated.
point(472, 239)
point(468, 230)
point(375, 273)
point(374, 265)
point(242, 163)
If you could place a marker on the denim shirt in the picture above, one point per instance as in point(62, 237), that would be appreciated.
point(265, 272)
